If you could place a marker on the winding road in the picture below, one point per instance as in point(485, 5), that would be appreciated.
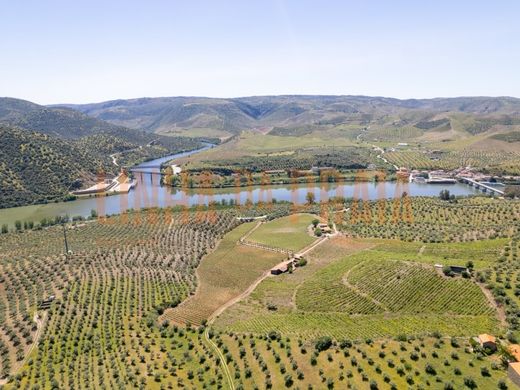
point(244, 295)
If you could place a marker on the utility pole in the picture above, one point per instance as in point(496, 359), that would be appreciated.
point(65, 239)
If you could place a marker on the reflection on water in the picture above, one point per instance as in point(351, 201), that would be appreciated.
point(150, 193)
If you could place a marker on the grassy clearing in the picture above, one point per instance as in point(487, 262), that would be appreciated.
point(223, 275)
point(288, 232)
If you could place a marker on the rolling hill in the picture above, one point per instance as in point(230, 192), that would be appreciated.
point(36, 168)
point(46, 151)
point(297, 115)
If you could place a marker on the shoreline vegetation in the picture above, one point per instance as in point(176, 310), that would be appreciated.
point(239, 179)
point(324, 209)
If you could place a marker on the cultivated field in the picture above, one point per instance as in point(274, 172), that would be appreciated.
point(289, 232)
point(132, 283)
point(432, 220)
point(369, 292)
point(100, 332)
point(497, 162)
point(288, 362)
point(223, 275)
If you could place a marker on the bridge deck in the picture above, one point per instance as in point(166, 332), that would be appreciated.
point(481, 185)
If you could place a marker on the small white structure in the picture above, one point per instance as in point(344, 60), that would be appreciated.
point(176, 169)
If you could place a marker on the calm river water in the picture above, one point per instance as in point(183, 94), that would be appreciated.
point(149, 193)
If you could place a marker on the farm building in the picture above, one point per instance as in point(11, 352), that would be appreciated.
point(280, 269)
point(284, 267)
point(320, 170)
point(514, 350)
point(487, 341)
point(457, 269)
point(324, 228)
point(46, 303)
point(513, 372)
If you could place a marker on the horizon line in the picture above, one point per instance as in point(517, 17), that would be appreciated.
point(274, 96)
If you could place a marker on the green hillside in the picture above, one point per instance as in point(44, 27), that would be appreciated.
point(298, 115)
point(47, 151)
point(36, 168)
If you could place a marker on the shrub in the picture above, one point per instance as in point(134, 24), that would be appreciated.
point(323, 343)
point(470, 382)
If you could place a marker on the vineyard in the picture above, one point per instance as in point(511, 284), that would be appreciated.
point(376, 282)
point(372, 288)
point(406, 287)
point(100, 331)
point(486, 161)
point(503, 280)
point(223, 275)
point(432, 220)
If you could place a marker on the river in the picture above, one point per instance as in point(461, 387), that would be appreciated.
point(149, 193)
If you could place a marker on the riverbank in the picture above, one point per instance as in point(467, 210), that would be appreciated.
point(149, 192)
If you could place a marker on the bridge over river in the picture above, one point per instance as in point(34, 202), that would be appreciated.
point(484, 186)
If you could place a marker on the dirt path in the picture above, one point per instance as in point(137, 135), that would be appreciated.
point(114, 160)
point(225, 367)
point(380, 156)
point(39, 327)
point(501, 314)
point(359, 292)
point(244, 237)
point(244, 295)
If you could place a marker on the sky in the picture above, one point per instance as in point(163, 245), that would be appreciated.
point(90, 51)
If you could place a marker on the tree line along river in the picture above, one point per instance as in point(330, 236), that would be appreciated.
point(150, 193)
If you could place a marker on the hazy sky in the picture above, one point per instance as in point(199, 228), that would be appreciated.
point(89, 51)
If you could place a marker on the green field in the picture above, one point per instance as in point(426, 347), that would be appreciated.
point(284, 362)
point(133, 282)
point(223, 275)
point(370, 288)
point(289, 232)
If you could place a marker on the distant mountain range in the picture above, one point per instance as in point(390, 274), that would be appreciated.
point(284, 114)
point(46, 150)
